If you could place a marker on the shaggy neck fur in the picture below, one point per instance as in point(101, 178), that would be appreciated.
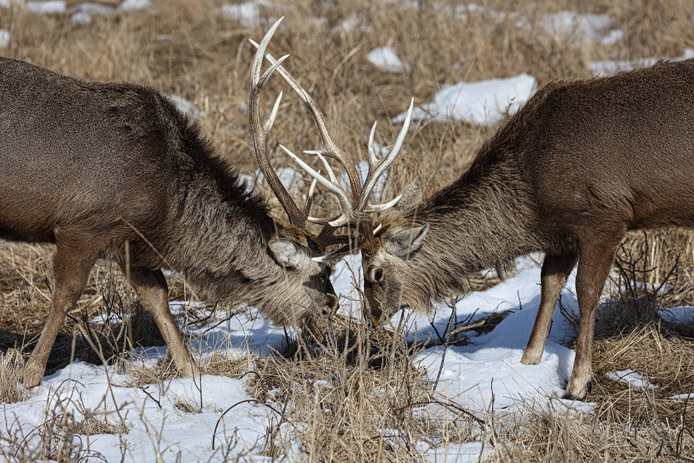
point(482, 220)
point(221, 234)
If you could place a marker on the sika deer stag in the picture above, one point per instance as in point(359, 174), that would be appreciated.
point(580, 165)
point(575, 169)
point(115, 170)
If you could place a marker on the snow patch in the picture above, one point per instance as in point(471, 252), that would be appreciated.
point(630, 377)
point(49, 7)
point(4, 38)
point(686, 396)
point(580, 26)
point(4, 3)
point(481, 103)
point(613, 36)
point(386, 59)
point(131, 5)
point(351, 23)
point(469, 452)
point(247, 13)
point(463, 11)
point(680, 315)
point(151, 407)
point(608, 67)
point(185, 106)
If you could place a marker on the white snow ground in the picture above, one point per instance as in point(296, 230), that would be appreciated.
point(48, 7)
point(248, 13)
point(4, 38)
point(470, 376)
point(605, 68)
point(186, 106)
point(481, 103)
point(482, 377)
point(682, 315)
point(387, 59)
point(82, 13)
point(631, 377)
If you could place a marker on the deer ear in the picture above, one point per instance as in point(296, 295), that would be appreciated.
point(288, 254)
point(403, 242)
point(411, 196)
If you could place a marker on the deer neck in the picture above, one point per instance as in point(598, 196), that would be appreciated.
point(221, 243)
point(482, 220)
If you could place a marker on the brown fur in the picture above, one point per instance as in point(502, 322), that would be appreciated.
point(91, 166)
point(569, 174)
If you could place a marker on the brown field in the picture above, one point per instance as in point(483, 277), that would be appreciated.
point(206, 60)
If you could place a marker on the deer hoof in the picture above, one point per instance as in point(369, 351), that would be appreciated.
point(32, 377)
point(582, 398)
point(531, 358)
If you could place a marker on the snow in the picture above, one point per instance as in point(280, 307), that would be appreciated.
point(686, 396)
point(350, 23)
point(247, 13)
point(613, 36)
point(630, 377)
point(149, 411)
point(81, 17)
point(130, 5)
point(185, 106)
point(469, 452)
point(386, 59)
point(4, 38)
point(610, 67)
point(582, 26)
point(49, 7)
point(82, 13)
point(481, 103)
point(484, 376)
point(681, 315)
point(570, 25)
point(4, 3)
point(463, 11)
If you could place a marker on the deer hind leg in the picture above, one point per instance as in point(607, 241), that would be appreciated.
point(594, 265)
point(555, 271)
point(71, 266)
point(151, 287)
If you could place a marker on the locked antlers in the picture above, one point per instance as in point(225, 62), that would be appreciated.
point(354, 204)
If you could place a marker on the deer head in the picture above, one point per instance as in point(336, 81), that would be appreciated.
point(381, 249)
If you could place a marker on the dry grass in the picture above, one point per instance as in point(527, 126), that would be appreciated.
point(332, 388)
point(11, 364)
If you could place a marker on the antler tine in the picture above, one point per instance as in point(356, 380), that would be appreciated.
point(259, 131)
point(334, 188)
point(329, 148)
point(376, 167)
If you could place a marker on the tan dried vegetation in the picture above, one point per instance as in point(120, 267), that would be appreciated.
point(339, 407)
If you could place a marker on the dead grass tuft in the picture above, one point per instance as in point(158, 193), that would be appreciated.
point(559, 434)
point(11, 365)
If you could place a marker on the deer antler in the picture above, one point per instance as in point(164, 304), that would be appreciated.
point(355, 210)
point(260, 131)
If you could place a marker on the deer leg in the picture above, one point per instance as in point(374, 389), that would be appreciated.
point(151, 287)
point(594, 265)
point(555, 271)
point(71, 266)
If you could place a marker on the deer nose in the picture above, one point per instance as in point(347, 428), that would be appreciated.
point(333, 304)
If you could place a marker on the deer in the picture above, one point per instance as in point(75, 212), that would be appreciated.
point(578, 166)
point(115, 171)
